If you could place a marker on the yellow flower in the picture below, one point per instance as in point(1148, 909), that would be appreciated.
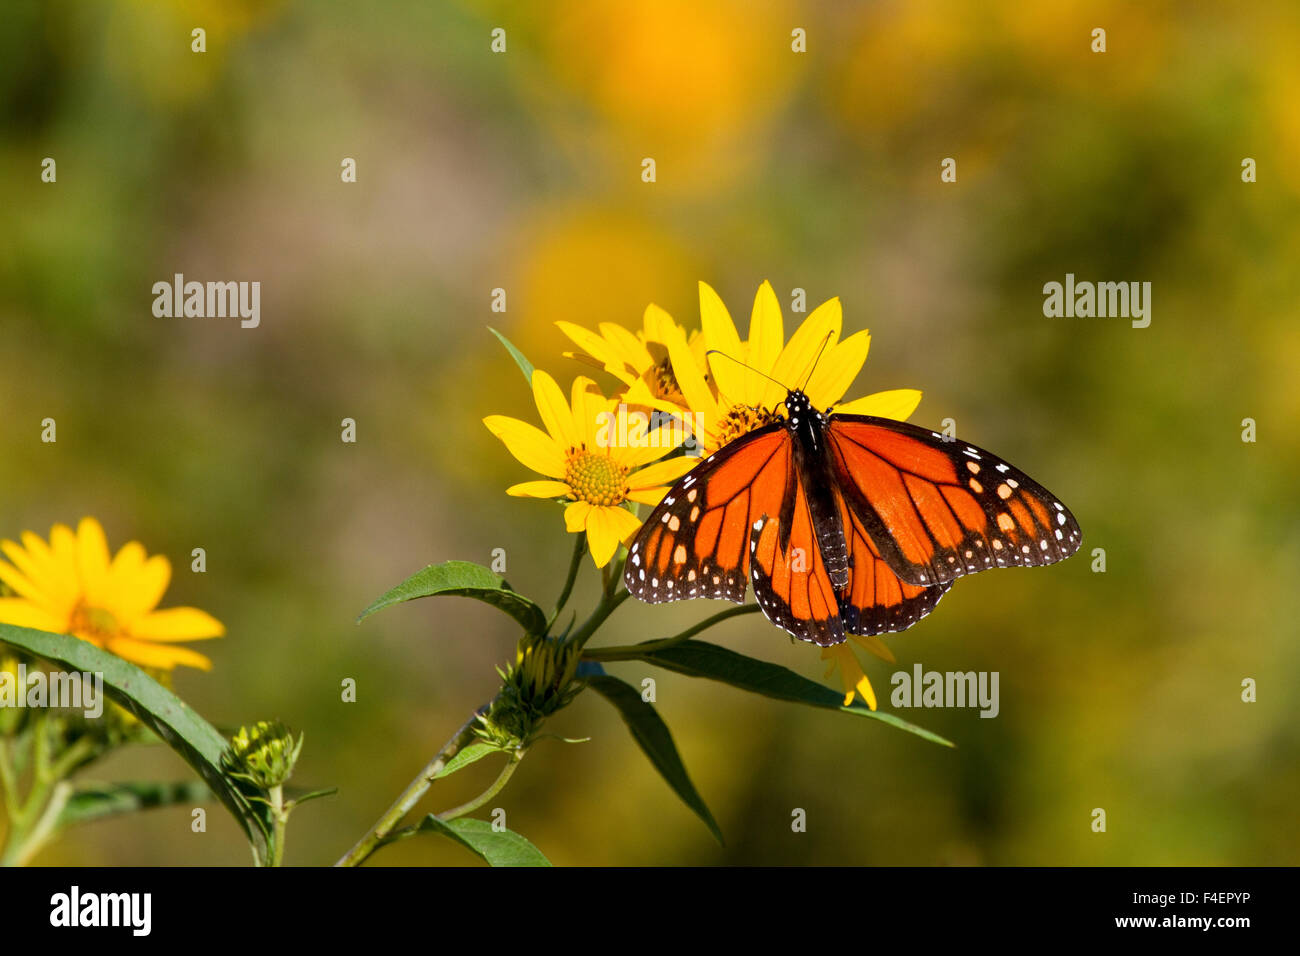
point(594, 454)
point(852, 677)
point(639, 360)
point(746, 398)
point(70, 586)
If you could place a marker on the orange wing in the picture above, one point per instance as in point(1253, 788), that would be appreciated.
point(696, 542)
point(877, 601)
point(791, 583)
point(936, 509)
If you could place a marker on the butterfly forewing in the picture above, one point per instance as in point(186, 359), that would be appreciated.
point(937, 509)
point(696, 541)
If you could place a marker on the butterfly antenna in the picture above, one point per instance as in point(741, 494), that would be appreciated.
point(745, 365)
point(808, 378)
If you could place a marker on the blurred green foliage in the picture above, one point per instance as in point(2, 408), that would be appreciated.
point(817, 170)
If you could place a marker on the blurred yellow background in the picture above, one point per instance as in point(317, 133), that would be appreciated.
point(817, 170)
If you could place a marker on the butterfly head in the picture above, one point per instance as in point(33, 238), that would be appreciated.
point(797, 406)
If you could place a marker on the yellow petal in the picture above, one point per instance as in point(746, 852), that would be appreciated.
point(875, 645)
point(897, 404)
point(592, 414)
point(661, 473)
point(530, 445)
point(92, 560)
point(177, 624)
point(29, 569)
point(837, 369)
point(766, 338)
point(865, 690)
point(627, 347)
point(688, 369)
point(23, 613)
point(575, 516)
point(638, 394)
point(657, 324)
point(58, 580)
point(539, 489)
point(63, 546)
point(599, 352)
point(647, 496)
point(623, 522)
point(720, 333)
point(126, 564)
point(851, 676)
point(554, 410)
point(21, 585)
point(161, 656)
point(822, 327)
point(606, 530)
point(138, 594)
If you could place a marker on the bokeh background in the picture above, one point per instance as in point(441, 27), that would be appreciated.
point(816, 170)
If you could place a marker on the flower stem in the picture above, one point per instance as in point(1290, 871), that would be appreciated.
point(497, 785)
point(579, 547)
point(608, 605)
point(279, 817)
point(45, 828)
point(33, 822)
point(412, 794)
point(8, 781)
point(631, 652)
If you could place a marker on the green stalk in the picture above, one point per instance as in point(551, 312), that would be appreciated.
point(279, 818)
point(579, 548)
point(33, 822)
point(607, 606)
point(411, 795)
point(497, 785)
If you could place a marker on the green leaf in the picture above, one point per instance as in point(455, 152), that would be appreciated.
point(651, 733)
point(175, 722)
point(300, 795)
point(525, 366)
point(498, 848)
point(96, 801)
point(464, 579)
point(701, 659)
point(466, 756)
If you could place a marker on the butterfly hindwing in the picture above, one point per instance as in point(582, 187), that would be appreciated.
point(877, 601)
point(936, 509)
point(790, 579)
point(696, 541)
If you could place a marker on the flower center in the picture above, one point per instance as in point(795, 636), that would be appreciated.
point(596, 479)
point(93, 621)
point(662, 382)
point(741, 420)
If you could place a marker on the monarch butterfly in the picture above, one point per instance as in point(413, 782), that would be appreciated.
point(844, 524)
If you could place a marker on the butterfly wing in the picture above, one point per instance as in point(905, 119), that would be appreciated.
point(936, 509)
point(877, 600)
point(789, 576)
point(696, 541)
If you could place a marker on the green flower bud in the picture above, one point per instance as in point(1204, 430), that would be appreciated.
point(540, 683)
point(263, 754)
